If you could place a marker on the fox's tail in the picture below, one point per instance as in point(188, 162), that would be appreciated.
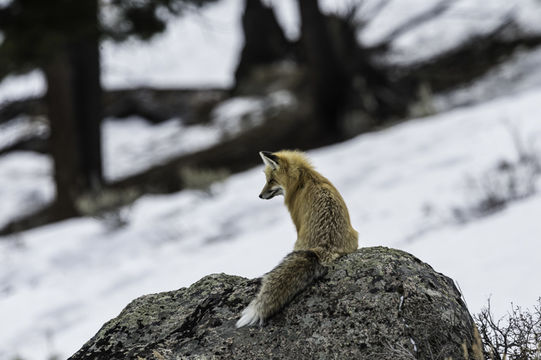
point(298, 270)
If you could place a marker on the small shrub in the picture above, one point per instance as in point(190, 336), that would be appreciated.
point(425, 102)
point(505, 182)
point(110, 206)
point(516, 336)
point(493, 190)
point(202, 179)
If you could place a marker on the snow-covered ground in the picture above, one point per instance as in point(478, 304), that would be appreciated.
point(25, 184)
point(199, 49)
point(133, 145)
point(60, 283)
point(461, 21)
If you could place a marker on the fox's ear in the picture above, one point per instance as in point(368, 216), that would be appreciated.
point(269, 159)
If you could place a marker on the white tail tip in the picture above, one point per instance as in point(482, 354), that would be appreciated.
point(250, 316)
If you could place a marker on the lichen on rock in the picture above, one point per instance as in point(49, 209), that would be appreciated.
point(377, 303)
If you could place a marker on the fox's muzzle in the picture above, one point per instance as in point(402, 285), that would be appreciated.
point(270, 193)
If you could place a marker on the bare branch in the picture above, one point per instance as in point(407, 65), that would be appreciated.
point(362, 20)
point(515, 336)
point(418, 19)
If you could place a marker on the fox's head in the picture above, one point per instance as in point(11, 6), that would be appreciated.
point(282, 170)
point(273, 186)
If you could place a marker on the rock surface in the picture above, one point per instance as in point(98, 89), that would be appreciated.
point(376, 303)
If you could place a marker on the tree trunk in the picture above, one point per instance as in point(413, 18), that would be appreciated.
point(63, 138)
point(87, 98)
point(264, 41)
point(330, 82)
point(74, 105)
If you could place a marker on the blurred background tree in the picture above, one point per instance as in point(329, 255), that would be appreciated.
point(62, 38)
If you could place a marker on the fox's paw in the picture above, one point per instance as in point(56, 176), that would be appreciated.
point(250, 315)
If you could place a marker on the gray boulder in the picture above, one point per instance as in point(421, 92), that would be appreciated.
point(376, 303)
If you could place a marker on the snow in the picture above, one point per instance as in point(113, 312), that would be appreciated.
point(391, 16)
point(244, 112)
point(14, 87)
point(234, 114)
point(22, 127)
point(133, 145)
point(26, 184)
point(199, 49)
point(503, 248)
point(60, 283)
point(463, 20)
point(518, 74)
point(287, 14)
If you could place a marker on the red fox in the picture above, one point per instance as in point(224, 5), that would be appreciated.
point(324, 231)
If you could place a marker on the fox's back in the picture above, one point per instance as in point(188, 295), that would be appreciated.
point(323, 218)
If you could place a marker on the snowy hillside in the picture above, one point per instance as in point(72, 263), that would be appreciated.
point(60, 283)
